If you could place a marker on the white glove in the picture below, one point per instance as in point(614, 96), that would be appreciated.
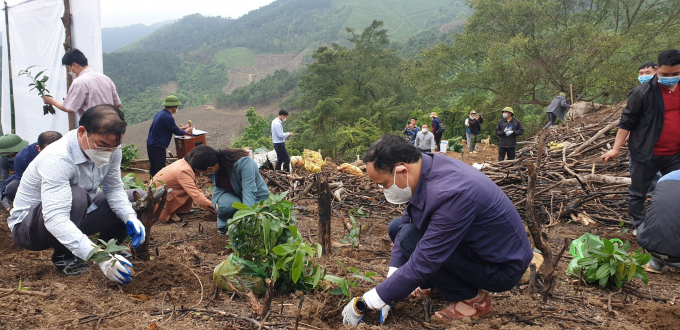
point(117, 269)
point(386, 309)
point(350, 314)
point(135, 229)
point(508, 133)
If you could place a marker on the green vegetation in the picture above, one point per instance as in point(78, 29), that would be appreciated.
point(265, 234)
point(130, 152)
point(239, 56)
point(355, 233)
point(274, 86)
point(257, 134)
point(607, 262)
point(344, 284)
point(107, 249)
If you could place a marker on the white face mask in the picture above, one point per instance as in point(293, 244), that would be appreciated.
point(505, 115)
point(284, 119)
point(73, 75)
point(396, 195)
point(98, 157)
point(424, 130)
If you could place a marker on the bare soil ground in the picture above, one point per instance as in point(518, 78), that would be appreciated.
point(265, 65)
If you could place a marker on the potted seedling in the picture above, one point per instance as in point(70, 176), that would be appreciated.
point(39, 85)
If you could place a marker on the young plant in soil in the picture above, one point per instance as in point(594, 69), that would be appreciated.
point(265, 236)
point(39, 84)
point(355, 233)
point(102, 252)
point(610, 263)
point(345, 284)
point(130, 152)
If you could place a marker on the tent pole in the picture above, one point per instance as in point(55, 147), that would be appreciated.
point(68, 45)
point(9, 61)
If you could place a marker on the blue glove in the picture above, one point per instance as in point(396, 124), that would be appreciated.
point(384, 312)
point(135, 229)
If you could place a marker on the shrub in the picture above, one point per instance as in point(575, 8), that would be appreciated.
point(608, 262)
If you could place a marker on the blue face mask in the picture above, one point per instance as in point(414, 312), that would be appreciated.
point(645, 78)
point(669, 81)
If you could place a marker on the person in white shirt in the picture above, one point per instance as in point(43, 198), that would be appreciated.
point(58, 204)
point(279, 139)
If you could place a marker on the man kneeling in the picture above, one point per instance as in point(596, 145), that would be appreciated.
point(459, 232)
point(57, 204)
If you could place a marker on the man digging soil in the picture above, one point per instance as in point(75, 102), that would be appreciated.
point(459, 233)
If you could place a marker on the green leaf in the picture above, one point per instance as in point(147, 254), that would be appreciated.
point(640, 273)
point(631, 272)
point(293, 231)
point(333, 279)
point(603, 281)
point(266, 231)
point(297, 266)
point(626, 246)
point(337, 291)
point(319, 250)
point(241, 206)
point(642, 259)
point(284, 249)
point(317, 276)
point(586, 261)
point(603, 271)
point(364, 278)
point(608, 246)
point(354, 270)
point(345, 288)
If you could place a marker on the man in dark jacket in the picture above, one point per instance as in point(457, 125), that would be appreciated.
point(437, 130)
point(160, 134)
point(474, 125)
point(659, 233)
point(459, 232)
point(652, 118)
point(21, 161)
point(557, 108)
point(508, 129)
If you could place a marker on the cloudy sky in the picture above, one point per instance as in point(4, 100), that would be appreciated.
point(128, 12)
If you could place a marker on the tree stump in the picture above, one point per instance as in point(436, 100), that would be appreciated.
point(325, 212)
point(148, 215)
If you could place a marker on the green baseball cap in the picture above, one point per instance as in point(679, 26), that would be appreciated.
point(11, 143)
point(508, 109)
point(172, 101)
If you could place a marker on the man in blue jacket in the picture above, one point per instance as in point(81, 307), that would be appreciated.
point(459, 232)
point(21, 161)
point(160, 134)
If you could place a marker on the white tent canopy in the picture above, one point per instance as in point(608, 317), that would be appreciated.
point(36, 36)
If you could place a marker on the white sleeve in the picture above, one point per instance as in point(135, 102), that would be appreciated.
point(112, 186)
point(57, 199)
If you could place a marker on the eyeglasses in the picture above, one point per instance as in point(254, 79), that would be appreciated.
point(118, 147)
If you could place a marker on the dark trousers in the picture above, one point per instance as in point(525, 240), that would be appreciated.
point(6, 165)
point(461, 276)
point(31, 233)
point(437, 140)
point(157, 158)
point(282, 158)
point(506, 151)
point(472, 142)
point(641, 178)
point(11, 190)
point(425, 150)
point(551, 120)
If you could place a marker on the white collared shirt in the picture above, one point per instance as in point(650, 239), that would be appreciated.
point(278, 136)
point(48, 180)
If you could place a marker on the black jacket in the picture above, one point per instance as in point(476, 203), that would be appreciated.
point(508, 141)
point(660, 231)
point(643, 117)
point(475, 126)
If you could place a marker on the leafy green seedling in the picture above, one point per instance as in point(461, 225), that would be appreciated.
point(39, 84)
point(355, 233)
point(102, 252)
point(610, 263)
point(345, 284)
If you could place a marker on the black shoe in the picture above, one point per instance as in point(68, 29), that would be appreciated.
point(221, 230)
point(69, 265)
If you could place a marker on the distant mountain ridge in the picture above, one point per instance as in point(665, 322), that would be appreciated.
point(115, 37)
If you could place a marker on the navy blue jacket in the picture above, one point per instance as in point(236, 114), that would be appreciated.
point(161, 130)
point(24, 157)
point(660, 231)
point(456, 206)
point(435, 125)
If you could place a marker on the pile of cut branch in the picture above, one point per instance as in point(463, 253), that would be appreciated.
point(572, 182)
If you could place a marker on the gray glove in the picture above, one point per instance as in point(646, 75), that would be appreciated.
point(353, 314)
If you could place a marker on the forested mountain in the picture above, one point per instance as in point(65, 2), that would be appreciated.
point(116, 37)
point(197, 51)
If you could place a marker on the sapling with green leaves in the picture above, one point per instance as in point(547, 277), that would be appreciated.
point(102, 252)
point(610, 263)
point(39, 84)
point(355, 233)
point(344, 284)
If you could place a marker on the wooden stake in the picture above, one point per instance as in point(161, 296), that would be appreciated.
point(325, 213)
point(9, 61)
point(68, 45)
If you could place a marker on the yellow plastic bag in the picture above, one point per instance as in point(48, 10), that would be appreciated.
point(313, 161)
point(235, 266)
point(350, 169)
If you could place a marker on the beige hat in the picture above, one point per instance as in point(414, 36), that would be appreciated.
point(508, 109)
point(473, 111)
point(432, 115)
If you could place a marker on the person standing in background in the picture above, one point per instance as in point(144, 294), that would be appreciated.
point(279, 140)
point(436, 129)
point(557, 108)
point(89, 87)
point(424, 140)
point(160, 134)
point(412, 130)
point(508, 129)
point(473, 125)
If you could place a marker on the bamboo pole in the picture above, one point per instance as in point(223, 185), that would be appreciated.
point(9, 62)
point(68, 45)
